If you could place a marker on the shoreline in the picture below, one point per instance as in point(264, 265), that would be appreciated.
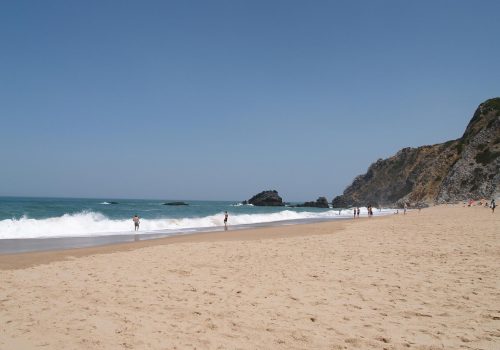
point(19, 260)
point(55, 224)
point(40, 244)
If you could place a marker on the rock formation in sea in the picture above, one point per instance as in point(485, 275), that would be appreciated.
point(175, 203)
point(457, 170)
point(321, 202)
point(267, 198)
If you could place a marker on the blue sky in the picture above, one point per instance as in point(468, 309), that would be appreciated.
point(223, 99)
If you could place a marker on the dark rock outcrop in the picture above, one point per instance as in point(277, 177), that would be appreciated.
point(321, 202)
point(448, 172)
point(175, 203)
point(267, 198)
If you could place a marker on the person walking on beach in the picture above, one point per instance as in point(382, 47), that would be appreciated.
point(358, 211)
point(136, 221)
point(225, 220)
point(404, 209)
point(493, 205)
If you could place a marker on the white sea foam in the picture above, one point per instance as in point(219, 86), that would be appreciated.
point(90, 223)
point(105, 203)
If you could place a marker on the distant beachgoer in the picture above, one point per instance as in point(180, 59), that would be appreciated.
point(136, 221)
point(493, 205)
point(404, 209)
point(225, 220)
point(354, 212)
point(358, 211)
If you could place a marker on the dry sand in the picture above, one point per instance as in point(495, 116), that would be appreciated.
point(428, 280)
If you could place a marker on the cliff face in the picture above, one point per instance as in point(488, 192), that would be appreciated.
point(457, 170)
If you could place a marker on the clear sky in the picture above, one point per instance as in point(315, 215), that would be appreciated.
point(223, 99)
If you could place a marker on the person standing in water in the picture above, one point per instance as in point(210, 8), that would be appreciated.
point(358, 211)
point(225, 220)
point(136, 221)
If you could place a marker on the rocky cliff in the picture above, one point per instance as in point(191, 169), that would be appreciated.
point(457, 170)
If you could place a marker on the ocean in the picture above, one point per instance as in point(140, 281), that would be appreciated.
point(23, 218)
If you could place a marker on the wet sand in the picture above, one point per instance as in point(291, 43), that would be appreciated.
point(426, 280)
point(27, 259)
point(27, 245)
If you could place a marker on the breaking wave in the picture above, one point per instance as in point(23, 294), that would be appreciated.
point(89, 223)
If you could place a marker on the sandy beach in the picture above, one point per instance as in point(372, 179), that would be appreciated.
point(425, 280)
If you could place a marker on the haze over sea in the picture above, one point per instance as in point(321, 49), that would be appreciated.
point(22, 217)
